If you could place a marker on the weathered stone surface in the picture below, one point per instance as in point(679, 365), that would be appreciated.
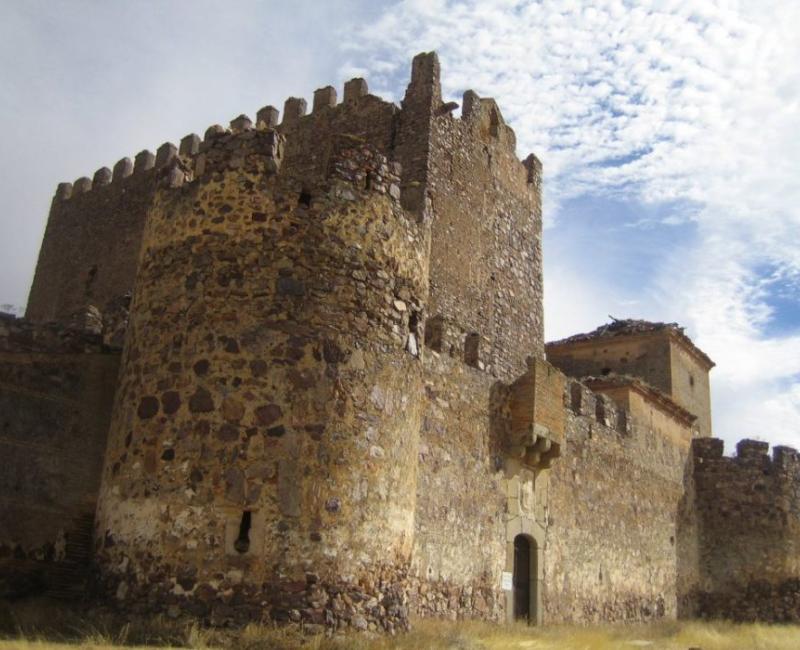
point(201, 401)
point(148, 407)
point(56, 394)
point(334, 408)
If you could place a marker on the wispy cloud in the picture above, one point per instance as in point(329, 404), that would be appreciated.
point(689, 113)
point(669, 131)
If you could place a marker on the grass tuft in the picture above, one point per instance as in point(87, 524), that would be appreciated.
point(40, 627)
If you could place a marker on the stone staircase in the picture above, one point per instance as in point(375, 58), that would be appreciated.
point(66, 580)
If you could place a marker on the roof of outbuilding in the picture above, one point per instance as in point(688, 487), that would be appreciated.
point(631, 327)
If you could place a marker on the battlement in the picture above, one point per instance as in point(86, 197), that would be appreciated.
point(746, 514)
point(708, 454)
point(411, 160)
point(585, 402)
point(359, 113)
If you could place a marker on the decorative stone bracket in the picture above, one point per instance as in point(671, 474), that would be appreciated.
point(536, 449)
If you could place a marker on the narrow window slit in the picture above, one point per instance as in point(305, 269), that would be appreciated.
point(242, 543)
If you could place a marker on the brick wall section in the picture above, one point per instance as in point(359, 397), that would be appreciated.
point(745, 518)
point(56, 391)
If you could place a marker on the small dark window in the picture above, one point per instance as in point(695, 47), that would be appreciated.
point(434, 333)
point(472, 349)
point(242, 543)
point(691, 380)
point(605, 371)
point(304, 199)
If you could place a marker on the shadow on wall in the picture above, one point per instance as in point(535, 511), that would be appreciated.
point(687, 561)
point(499, 423)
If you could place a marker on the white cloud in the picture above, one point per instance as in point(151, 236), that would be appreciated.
point(86, 83)
point(697, 105)
point(693, 104)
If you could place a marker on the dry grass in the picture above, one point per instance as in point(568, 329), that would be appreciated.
point(60, 631)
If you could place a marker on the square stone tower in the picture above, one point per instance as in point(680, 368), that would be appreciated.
point(659, 353)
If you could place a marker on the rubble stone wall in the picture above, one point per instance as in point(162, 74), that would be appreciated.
point(745, 518)
point(613, 503)
point(262, 460)
point(484, 322)
point(460, 540)
point(265, 455)
point(486, 255)
point(56, 392)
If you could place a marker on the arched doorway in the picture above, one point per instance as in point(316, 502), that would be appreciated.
point(524, 579)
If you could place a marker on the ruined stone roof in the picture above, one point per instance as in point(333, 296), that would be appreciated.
point(635, 327)
point(649, 392)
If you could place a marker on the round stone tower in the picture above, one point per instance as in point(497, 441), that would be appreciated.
point(263, 449)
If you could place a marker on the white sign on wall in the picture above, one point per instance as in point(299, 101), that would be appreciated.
point(506, 581)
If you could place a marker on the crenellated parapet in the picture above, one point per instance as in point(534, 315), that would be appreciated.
point(751, 455)
point(746, 517)
point(586, 403)
point(102, 216)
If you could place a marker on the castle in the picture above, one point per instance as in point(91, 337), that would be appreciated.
point(296, 371)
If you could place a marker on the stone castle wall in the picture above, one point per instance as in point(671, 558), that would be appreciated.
point(612, 514)
point(265, 433)
point(742, 524)
point(91, 244)
point(272, 385)
point(333, 406)
point(486, 256)
point(459, 540)
point(56, 392)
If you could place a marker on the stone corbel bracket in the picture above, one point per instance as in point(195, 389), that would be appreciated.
point(536, 449)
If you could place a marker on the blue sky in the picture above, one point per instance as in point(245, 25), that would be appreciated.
point(669, 132)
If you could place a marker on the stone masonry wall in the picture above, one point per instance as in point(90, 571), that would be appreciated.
point(484, 321)
point(459, 543)
point(660, 358)
point(611, 534)
point(744, 518)
point(262, 460)
point(56, 391)
point(691, 387)
point(91, 245)
point(268, 421)
point(486, 256)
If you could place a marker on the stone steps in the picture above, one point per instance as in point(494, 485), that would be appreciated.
point(67, 579)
